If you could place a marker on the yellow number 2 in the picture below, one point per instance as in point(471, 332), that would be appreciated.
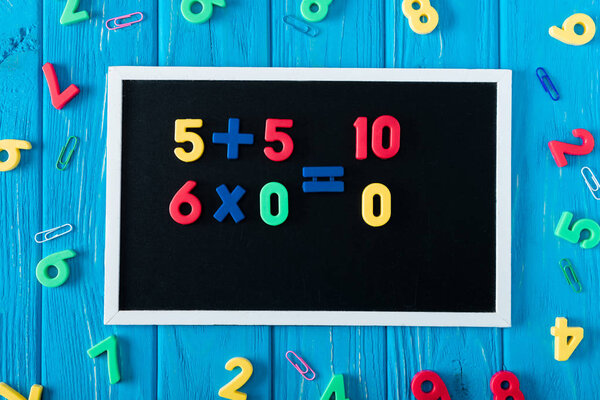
point(423, 19)
point(229, 391)
point(568, 35)
point(182, 135)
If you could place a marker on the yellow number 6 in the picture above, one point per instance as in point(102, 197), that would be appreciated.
point(182, 135)
point(423, 19)
point(567, 33)
point(229, 391)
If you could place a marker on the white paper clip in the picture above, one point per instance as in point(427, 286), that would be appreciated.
point(594, 180)
point(45, 235)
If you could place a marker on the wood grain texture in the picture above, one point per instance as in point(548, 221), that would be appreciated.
point(72, 314)
point(192, 359)
point(466, 358)
point(20, 195)
point(542, 191)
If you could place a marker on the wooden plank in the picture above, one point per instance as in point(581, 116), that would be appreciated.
point(466, 358)
point(542, 191)
point(20, 194)
point(349, 37)
point(73, 313)
point(192, 359)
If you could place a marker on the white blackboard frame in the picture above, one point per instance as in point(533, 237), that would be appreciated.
point(501, 318)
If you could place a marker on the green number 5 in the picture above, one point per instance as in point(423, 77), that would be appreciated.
point(573, 235)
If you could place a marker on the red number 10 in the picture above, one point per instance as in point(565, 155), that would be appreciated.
point(385, 121)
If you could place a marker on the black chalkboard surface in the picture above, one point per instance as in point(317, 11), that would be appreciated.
point(442, 257)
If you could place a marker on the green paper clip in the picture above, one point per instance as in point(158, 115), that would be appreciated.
point(567, 268)
point(60, 164)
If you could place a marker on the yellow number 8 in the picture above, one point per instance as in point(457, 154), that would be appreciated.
point(423, 19)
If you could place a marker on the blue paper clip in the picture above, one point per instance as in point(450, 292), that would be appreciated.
point(62, 164)
point(303, 371)
point(301, 26)
point(567, 269)
point(547, 83)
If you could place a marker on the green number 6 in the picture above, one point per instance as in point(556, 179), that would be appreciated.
point(573, 235)
point(202, 16)
point(319, 14)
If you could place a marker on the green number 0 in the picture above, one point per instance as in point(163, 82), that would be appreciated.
point(202, 16)
point(315, 16)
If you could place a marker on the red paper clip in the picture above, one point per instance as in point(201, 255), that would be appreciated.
point(302, 372)
point(117, 25)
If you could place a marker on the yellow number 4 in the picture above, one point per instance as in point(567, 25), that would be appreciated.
point(566, 339)
point(182, 135)
point(11, 394)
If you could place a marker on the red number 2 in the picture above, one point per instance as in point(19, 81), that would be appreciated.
point(511, 391)
point(437, 392)
point(273, 135)
point(559, 149)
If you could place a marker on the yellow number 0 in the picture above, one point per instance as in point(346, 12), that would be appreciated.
point(229, 391)
point(422, 20)
point(182, 135)
point(385, 198)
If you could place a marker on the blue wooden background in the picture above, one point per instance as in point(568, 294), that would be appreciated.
point(44, 333)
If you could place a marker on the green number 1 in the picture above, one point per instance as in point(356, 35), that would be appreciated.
point(71, 16)
point(336, 386)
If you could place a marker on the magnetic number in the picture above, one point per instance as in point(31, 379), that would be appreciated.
point(206, 12)
point(385, 121)
point(229, 391)
point(573, 235)
point(306, 8)
point(336, 386)
point(385, 201)
point(273, 135)
point(11, 394)
point(70, 14)
point(566, 339)
point(568, 35)
point(511, 391)
point(274, 188)
point(182, 196)
point(13, 147)
point(559, 149)
point(422, 20)
point(182, 135)
point(56, 260)
point(438, 390)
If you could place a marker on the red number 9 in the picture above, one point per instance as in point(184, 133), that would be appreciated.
point(511, 391)
point(437, 392)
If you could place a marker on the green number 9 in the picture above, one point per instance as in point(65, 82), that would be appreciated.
point(202, 16)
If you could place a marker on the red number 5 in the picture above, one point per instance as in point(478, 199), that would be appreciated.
point(273, 135)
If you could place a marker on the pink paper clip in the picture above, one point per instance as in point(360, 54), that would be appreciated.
point(117, 25)
point(302, 372)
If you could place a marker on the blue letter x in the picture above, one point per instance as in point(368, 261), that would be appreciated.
point(233, 138)
point(229, 205)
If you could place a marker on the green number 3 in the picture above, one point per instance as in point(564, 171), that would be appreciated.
point(202, 16)
point(319, 14)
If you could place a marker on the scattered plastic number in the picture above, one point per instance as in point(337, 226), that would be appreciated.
point(273, 135)
point(11, 394)
point(567, 33)
point(573, 235)
point(385, 121)
point(182, 196)
point(566, 339)
point(270, 189)
point(335, 387)
point(423, 19)
point(315, 10)
point(13, 147)
point(385, 201)
point(202, 16)
point(501, 391)
point(438, 390)
point(108, 346)
point(230, 390)
point(559, 149)
point(56, 260)
point(71, 16)
point(182, 135)
point(59, 100)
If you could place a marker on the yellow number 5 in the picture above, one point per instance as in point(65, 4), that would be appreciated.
point(229, 391)
point(182, 135)
point(423, 19)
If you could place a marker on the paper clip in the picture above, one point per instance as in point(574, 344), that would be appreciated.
point(117, 25)
point(302, 372)
point(547, 83)
point(45, 234)
point(567, 268)
point(301, 26)
point(589, 185)
point(60, 164)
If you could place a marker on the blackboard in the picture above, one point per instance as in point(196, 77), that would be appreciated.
point(442, 257)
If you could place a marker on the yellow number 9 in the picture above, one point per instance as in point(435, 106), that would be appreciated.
point(568, 35)
point(182, 135)
point(422, 20)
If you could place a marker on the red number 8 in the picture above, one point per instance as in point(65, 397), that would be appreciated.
point(512, 390)
point(437, 392)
